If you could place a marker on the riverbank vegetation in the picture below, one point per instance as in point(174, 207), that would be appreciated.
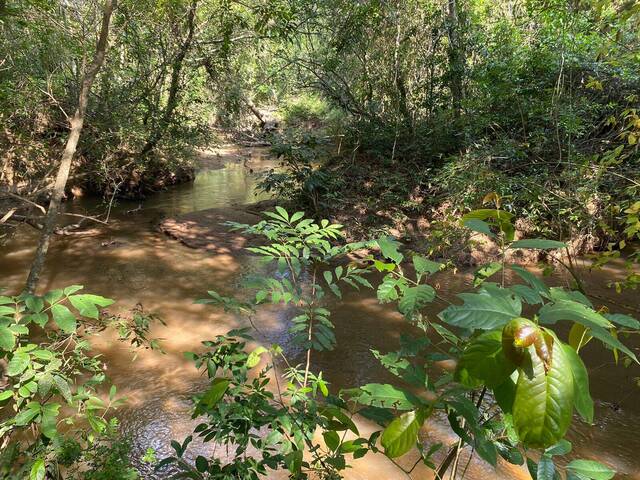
point(425, 130)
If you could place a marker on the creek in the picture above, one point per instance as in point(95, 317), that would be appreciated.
point(131, 261)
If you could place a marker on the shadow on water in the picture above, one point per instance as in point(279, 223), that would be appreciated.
point(131, 261)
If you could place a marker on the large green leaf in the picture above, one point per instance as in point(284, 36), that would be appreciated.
point(414, 298)
point(18, 363)
point(388, 289)
point(478, 226)
point(559, 293)
point(485, 310)
point(623, 320)
point(546, 469)
point(537, 284)
point(389, 248)
point(215, 393)
point(589, 318)
point(388, 396)
point(7, 339)
point(544, 400)
point(401, 434)
point(425, 266)
point(484, 360)
point(590, 469)
point(87, 304)
point(485, 213)
point(583, 400)
point(570, 310)
point(38, 470)
point(64, 318)
point(485, 272)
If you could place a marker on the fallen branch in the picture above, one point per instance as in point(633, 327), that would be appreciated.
point(85, 217)
point(8, 215)
point(22, 199)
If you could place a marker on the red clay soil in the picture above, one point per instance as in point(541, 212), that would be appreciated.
point(205, 230)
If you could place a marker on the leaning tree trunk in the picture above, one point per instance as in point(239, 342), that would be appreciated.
point(75, 124)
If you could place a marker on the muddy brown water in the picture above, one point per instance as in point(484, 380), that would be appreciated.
point(134, 263)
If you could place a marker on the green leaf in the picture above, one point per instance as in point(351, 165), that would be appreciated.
point(583, 400)
point(34, 304)
point(484, 360)
point(87, 304)
point(294, 461)
point(486, 449)
point(296, 216)
point(24, 417)
point(71, 289)
point(485, 272)
point(40, 319)
point(389, 248)
point(577, 312)
point(6, 395)
point(385, 395)
point(283, 213)
point(591, 469)
point(574, 311)
point(623, 320)
point(45, 382)
point(388, 289)
point(425, 266)
point(505, 395)
point(7, 339)
point(546, 469)
point(216, 392)
point(202, 464)
point(38, 470)
point(254, 357)
point(414, 298)
point(538, 243)
point(484, 310)
point(478, 226)
point(18, 363)
point(49, 420)
point(53, 296)
point(563, 447)
point(544, 401)
point(332, 439)
point(559, 293)
point(528, 294)
point(64, 318)
point(485, 213)
point(537, 284)
point(401, 434)
point(63, 388)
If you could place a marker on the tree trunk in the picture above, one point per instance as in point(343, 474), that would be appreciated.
point(76, 124)
point(174, 85)
point(456, 57)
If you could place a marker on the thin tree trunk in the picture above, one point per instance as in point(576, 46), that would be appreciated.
point(456, 57)
point(174, 85)
point(76, 124)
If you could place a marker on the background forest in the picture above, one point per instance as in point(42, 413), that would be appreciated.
point(414, 126)
point(536, 100)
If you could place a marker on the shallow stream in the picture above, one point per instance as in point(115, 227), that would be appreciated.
point(131, 261)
